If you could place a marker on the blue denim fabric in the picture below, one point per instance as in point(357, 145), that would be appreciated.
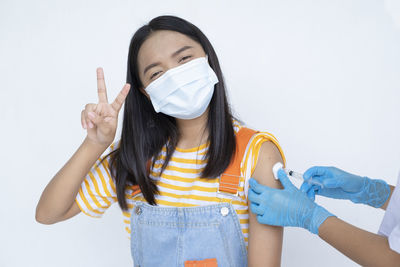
point(169, 236)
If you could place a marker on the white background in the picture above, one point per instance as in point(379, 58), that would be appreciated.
point(323, 76)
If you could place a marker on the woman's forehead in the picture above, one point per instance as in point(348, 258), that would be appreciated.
point(160, 45)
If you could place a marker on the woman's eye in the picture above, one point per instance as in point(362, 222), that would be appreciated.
point(158, 72)
point(184, 58)
point(154, 75)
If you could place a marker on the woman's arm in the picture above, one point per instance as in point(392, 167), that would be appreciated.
point(100, 120)
point(365, 248)
point(265, 241)
point(57, 200)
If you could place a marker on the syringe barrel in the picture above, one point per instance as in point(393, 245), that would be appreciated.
point(299, 176)
point(294, 174)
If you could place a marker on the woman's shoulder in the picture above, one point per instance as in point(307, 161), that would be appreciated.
point(240, 126)
point(258, 140)
point(114, 145)
point(111, 148)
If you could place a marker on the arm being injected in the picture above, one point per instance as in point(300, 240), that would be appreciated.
point(292, 207)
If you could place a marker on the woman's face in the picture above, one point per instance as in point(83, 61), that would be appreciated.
point(164, 50)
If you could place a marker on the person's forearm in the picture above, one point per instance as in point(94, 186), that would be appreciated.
point(365, 248)
point(384, 206)
point(60, 193)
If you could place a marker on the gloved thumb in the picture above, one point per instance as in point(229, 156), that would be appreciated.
point(258, 188)
point(284, 179)
point(311, 194)
point(309, 189)
point(305, 186)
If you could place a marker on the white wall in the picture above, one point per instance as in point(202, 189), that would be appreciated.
point(323, 76)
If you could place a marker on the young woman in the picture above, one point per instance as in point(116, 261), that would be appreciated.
point(180, 169)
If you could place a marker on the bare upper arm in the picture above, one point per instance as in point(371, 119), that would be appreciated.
point(73, 210)
point(265, 241)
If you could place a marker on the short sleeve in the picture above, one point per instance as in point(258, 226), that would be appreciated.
point(250, 158)
point(394, 239)
point(97, 191)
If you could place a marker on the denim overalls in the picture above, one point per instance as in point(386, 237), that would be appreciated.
point(193, 236)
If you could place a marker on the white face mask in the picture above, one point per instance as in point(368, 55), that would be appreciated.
point(185, 91)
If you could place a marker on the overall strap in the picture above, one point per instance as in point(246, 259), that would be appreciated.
point(230, 180)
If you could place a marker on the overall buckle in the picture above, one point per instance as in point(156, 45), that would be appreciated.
point(228, 185)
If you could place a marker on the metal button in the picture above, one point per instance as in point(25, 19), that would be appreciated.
point(224, 211)
point(138, 210)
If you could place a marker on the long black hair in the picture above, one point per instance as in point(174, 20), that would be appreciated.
point(145, 132)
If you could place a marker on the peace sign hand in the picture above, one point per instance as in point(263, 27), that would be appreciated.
point(101, 119)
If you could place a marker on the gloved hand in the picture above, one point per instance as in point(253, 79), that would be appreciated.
point(287, 207)
point(343, 185)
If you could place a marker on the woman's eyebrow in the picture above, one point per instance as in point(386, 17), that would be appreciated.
point(177, 52)
point(150, 66)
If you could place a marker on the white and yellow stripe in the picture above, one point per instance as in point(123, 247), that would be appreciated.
point(180, 184)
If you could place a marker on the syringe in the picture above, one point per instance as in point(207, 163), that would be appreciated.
point(293, 174)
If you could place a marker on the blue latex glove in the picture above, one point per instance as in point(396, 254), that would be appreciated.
point(343, 185)
point(287, 207)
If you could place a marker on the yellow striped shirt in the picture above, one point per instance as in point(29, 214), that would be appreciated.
point(180, 184)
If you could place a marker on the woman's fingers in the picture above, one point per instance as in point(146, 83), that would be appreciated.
point(89, 122)
point(94, 118)
point(107, 119)
point(101, 86)
point(120, 99)
point(93, 114)
point(91, 125)
point(85, 118)
point(83, 123)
